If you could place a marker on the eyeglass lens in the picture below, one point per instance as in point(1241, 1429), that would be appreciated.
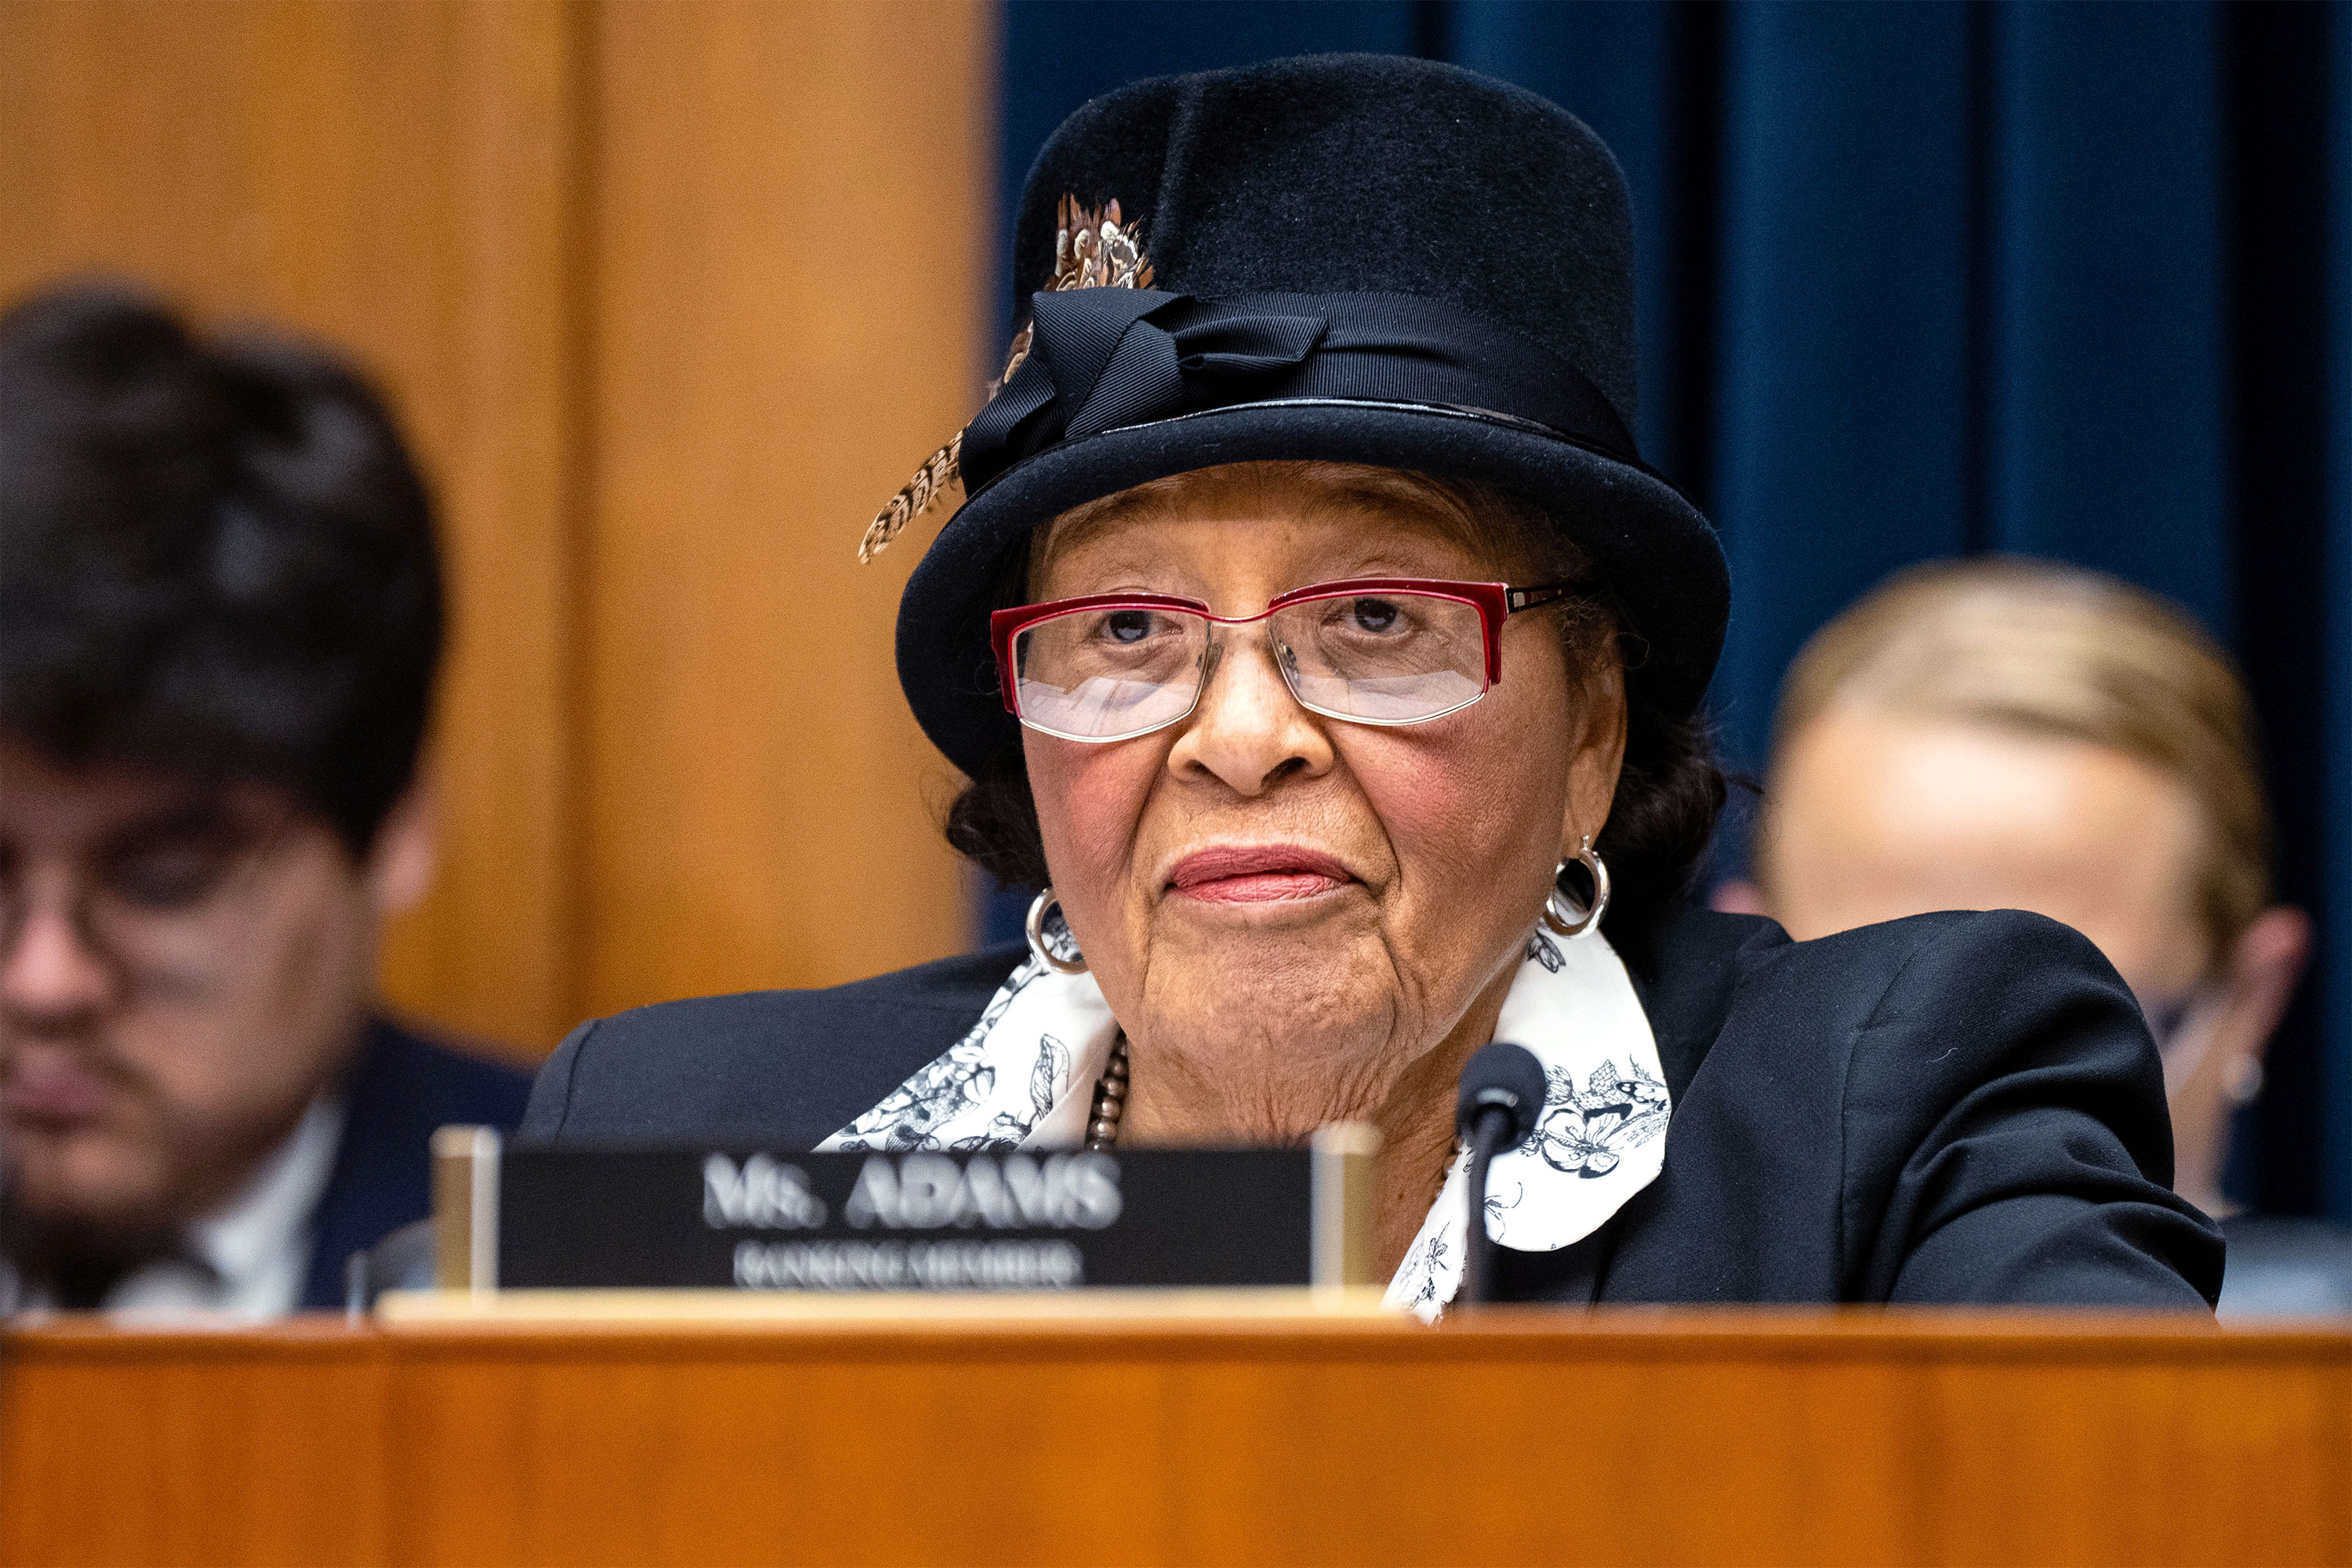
point(150, 902)
point(1378, 658)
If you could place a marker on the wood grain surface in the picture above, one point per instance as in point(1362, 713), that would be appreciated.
point(792, 236)
point(1522, 1436)
point(669, 296)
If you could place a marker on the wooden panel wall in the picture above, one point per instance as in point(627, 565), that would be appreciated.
point(794, 234)
point(669, 295)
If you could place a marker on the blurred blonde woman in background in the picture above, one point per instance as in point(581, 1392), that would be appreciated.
point(2001, 734)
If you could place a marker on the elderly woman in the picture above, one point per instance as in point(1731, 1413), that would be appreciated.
point(1313, 636)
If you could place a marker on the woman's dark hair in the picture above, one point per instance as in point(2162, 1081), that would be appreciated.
point(216, 558)
point(1670, 789)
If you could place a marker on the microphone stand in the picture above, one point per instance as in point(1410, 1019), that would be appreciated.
point(1495, 1126)
point(1499, 1103)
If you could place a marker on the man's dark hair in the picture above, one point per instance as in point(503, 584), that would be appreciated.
point(216, 558)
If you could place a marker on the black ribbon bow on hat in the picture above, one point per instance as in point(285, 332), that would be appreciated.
point(1101, 359)
point(1109, 347)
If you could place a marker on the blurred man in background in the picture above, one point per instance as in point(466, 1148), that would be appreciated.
point(2014, 734)
point(220, 615)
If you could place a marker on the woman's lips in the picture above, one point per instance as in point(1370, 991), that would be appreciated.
point(1256, 874)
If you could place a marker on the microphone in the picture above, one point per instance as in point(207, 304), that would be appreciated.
point(1501, 1099)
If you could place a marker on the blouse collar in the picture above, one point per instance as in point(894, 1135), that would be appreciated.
point(1025, 1075)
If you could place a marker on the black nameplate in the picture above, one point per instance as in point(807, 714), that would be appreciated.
point(1001, 1220)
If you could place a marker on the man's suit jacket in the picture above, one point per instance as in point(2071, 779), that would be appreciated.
point(1956, 1108)
point(402, 1087)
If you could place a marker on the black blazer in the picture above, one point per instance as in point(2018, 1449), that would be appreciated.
point(1959, 1108)
point(402, 1087)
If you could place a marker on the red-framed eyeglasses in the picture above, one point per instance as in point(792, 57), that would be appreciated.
point(1370, 650)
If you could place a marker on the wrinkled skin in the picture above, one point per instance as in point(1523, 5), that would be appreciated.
point(1260, 1007)
point(181, 969)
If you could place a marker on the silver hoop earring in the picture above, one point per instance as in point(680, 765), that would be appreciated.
point(1563, 919)
point(1038, 945)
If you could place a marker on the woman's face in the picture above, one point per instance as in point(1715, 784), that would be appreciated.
point(1287, 913)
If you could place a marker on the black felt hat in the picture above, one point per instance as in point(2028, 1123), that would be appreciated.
point(1351, 258)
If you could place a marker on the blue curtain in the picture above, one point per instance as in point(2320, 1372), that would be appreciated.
point(1922, 280)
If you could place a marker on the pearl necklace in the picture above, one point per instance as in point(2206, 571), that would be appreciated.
point(1110, 1098)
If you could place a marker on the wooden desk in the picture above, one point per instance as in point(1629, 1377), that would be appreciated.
point(1523, 1437)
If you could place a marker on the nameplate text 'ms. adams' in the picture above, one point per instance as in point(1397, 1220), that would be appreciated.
point(989, 1219)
